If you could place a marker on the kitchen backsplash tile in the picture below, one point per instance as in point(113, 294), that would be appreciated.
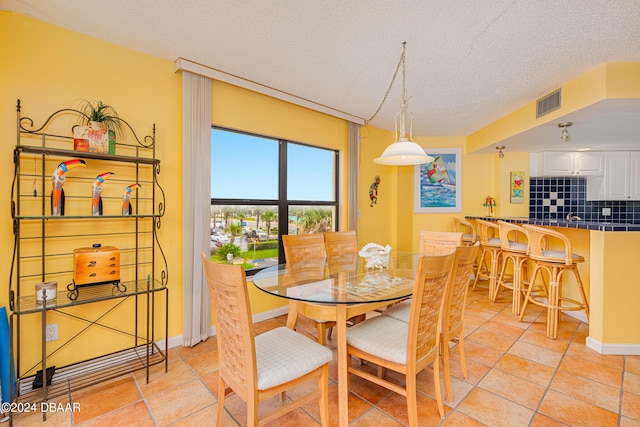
point(555, 198)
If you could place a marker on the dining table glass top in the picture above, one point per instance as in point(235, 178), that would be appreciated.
point(341, 279)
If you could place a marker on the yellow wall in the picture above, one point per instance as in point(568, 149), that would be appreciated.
point(49, 68)
point(614, 291)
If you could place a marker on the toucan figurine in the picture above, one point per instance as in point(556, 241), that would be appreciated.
point(126, 198)
point(58, 179)
point(96, 191)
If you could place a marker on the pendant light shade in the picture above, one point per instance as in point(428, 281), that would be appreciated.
point(403, 151)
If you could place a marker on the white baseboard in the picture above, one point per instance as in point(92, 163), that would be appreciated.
point(265, 315)
point(621, 349)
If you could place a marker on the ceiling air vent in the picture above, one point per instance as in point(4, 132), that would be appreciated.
point(548, 103)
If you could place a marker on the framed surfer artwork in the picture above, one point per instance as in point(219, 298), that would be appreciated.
point(438, 184)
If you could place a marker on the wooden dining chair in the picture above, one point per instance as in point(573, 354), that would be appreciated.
point(259, 367)
point(299, 248)
point(431, 243)
point(407, 348)
point(453, 317)
point(439, 242)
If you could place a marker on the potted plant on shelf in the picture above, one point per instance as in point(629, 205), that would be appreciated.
point(99, 124)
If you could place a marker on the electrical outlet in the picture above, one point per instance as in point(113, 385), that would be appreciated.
point(606, 211)
point(52, 332)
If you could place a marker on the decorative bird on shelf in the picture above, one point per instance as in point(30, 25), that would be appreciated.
point(126, 198)
point(96, 193)
point(57, 180)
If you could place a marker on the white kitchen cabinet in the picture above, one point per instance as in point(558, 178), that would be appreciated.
point(567, 163)
point(621, 179)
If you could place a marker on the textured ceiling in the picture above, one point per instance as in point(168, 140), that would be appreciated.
point(468, 62)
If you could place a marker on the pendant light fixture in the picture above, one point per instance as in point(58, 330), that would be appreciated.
point(403, 151)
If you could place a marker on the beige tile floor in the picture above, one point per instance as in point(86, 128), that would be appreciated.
point(517, 377)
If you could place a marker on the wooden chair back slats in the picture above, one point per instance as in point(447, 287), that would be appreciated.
point(340, 242)
point(432, 276)
point(439, 242)
point(453, 314)
point(303, 246)
point(457, 292)
point(234, 331)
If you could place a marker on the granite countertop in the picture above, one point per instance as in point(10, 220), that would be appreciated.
point(562, 223)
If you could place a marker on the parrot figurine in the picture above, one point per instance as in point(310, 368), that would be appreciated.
point(57, 181)
point(126, 198)
point(96, 192)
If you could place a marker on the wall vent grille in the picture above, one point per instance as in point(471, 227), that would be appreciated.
point(548, 103)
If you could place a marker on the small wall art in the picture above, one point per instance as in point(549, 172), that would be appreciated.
point(517, 187)
point(438, 184)
point(373, 191)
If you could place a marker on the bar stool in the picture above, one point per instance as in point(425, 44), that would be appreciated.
point(515, 244)
point(468, 229)
point(469, 238)
point(555, 262)
point(490, 248)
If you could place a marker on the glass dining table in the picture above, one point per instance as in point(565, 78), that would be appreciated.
point(336, 289)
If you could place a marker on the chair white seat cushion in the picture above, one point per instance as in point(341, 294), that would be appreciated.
point(283, 355)
point(550, 253)
point(518, 246)
point(381, 336)
point(493, 240)
point(399, 311)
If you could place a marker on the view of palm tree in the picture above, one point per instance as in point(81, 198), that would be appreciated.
point(251, 233)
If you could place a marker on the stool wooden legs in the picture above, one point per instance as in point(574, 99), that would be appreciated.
point(491, 272)
point(554, 294)
point(520, 276)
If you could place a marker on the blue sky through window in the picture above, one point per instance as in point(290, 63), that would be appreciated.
point(246, 166)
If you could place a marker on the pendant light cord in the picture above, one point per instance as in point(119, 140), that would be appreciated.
point(404, 47)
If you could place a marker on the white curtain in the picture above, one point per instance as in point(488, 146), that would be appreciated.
point(196, 204)
point(354, 170)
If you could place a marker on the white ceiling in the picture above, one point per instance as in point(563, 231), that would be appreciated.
point(469, 62)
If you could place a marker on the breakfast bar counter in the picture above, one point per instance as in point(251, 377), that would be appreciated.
point(610, 276)
point(563, 223)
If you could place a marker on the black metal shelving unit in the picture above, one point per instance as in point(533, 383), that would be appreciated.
point(43, 251)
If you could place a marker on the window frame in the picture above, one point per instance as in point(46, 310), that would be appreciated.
point(282, 203)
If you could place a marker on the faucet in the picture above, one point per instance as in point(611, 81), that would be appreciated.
point(572, 217)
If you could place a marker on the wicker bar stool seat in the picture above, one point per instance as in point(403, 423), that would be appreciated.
point(554, 263)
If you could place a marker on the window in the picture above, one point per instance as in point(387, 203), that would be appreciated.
point(262, 188)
